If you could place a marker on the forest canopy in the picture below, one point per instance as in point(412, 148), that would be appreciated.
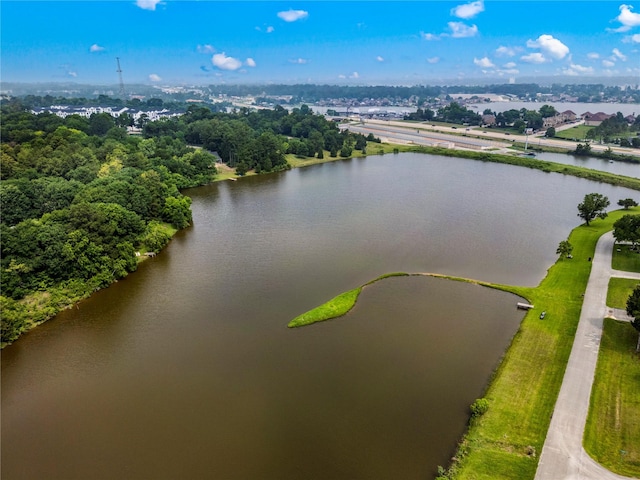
point(81, 198)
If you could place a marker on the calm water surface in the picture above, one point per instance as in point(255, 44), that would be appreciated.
point(594, 163)
point(186, 368)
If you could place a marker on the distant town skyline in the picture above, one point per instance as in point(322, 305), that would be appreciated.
point(174, 42)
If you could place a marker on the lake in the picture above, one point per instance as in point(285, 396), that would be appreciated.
point(185, 369)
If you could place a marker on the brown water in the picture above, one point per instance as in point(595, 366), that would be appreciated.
point(186, 368)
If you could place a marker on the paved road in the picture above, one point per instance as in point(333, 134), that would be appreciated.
point(454, 135)
point(563, 457)
point(416, 136)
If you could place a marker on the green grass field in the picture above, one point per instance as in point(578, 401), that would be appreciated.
point(625, 259)
point(619, 291)
point(612, 433)
point(579, 132)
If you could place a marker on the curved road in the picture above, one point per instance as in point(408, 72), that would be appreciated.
point(563, 457)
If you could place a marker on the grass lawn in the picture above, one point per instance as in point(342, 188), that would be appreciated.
point(225, 172)
point(373, 148)
point(579, 132)
point(619, 291)
point(612, 433)
point(625, 259)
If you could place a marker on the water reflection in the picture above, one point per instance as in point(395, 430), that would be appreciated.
point(186, 369)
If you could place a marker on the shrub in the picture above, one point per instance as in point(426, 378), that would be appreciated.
point(479, 407)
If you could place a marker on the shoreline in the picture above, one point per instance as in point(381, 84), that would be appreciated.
point(42, 308)
point(510, 437)
point(479, 445)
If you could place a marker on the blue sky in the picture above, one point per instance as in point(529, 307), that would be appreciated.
point(336, 42)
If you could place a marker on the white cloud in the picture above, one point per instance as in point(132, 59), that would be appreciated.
point(581, 69)
point(627, 18)
point(293, 15)
point(96, 48)
point(155, 77)
point(460, 30)
point(268, 29)
point(550, 45)
point(299, 61)
point(509, 65)
point(536, 57)
point(509, 71)
point(250, 62)
point(483, 62)
point(502, 51)
point(341, 76)
point(468, 10)
point(206, 48)
point(223, 62)
point(575, 69)
point(619, 55)
point(379, 58)
point(593, 56)
point(433, 60)
point(632, 38)
point(354, 75)
point(608, 63)
point(147, 4)
point(429, 36)
point(72, 74)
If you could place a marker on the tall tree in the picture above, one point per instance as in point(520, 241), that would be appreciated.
point(633, 309)
point(547, 111)
point(592, 207)
point(627, 229)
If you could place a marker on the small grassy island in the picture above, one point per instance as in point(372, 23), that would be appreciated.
point(506, 440)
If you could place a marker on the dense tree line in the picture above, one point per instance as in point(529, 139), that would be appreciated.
point(258, 140)
point(616, 129)
point(153, 103)
point(80, 196)
point(455, 113)
point(452, 113)
point(310, 93)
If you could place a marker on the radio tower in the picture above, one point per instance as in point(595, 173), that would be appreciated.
point(120, 77)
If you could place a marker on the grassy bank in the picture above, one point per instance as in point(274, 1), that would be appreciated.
point(505, 443)
point(374, 148)
point(619, 291)
point(613, 426)
point(528, 162)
